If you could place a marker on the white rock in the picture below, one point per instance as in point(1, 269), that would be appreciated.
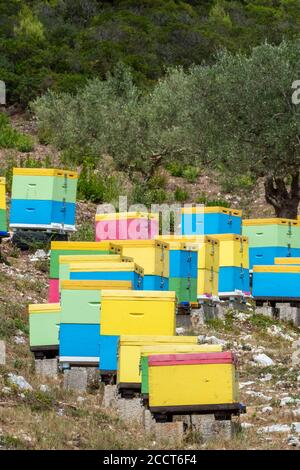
point(214, 340)
point(288, 401)
point(180, 331)
point(293, 441)
point(242, 316)
point(296, 412)
point(44, 388)
point(266, 378)
point(275, 428)
point(80, 399)
point(19, 340)
point(296, 427)
point(246, 425)
point(38, 255)
point(260, 395)
point(6, 390)
point(296, 344)
point(263, 360)
point(246, 384)
point(19, 381)
point(298, 378)
point(267, 409)
point(296, 357)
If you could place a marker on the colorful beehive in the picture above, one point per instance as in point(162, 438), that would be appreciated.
point(69, 249)
point(293, 260)
point(198, 382)
point(111, 271)
point(155, 350)
point(271, 238)
point(183, 270)
point(233, 264)
point(3, 222)
point(44, 320)
point(80, 318)
point(151, 255)
point(276, 282)
point(127, 226)
point(129, 352)
point(134, 313)
point(43, 198)
point(201, 220)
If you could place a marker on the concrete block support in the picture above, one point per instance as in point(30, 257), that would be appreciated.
point(171, 433)
point(76, 379)
point(46, 367)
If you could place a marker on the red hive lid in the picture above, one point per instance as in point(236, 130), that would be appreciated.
point(195, 358)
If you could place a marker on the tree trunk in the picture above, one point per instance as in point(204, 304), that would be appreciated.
point(285, 201)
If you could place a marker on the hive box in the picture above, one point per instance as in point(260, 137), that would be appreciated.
point(233, 279)
point(3, 223)
point(276, 282)
point(129, 352)
point(133, 313)
point(111, 271)
point(53, 293)
point(43, 198)
point(127, 226)
point(81, 300)
point(185, 288)
point(155, 349)
point(149, 254)
point(79, 343)
point(207, 283)
point(44, 320)
point(292, 260)
point(271, 238)
point(193, 383)
point(210, 220)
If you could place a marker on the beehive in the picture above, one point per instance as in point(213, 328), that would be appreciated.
point(207, 283)
point(127, 226)
point(110, 271)
point(129, 352)
point(192, 382)
point(155, 350)
point(79, 343)
point(292, 260)
point(133, 313)
point(276, 281)
point(44, 320)
point(271, 238)
point(201, 220)
point(148, 254)
point(43, 198)
point(3, 223)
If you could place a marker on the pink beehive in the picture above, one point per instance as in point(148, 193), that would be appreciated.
point(127, 226)
point(53, 295)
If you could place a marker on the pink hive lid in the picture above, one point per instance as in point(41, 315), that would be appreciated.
point(226, 357)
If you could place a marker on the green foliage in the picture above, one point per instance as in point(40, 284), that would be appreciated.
point(12, 139)
point(175, 168)
point(94, 186)
point(204, 199)
point(180, 194)
point(190, 173)
point(85, 233)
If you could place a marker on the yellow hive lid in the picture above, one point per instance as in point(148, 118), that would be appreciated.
point(103, 245)
point(2, 180)
point(169, 348)
point(276, 269)
point(133, 243)
point(211, 210)
point(230, 237)
point(43, 308)
point(44, 172)
point(289, 260)
point(139, 295)
point(67, 259)
point(271, 221)
point(187, 238)
point(126, 215)
point(145, 339)
point(110, 266)
point(94, 285)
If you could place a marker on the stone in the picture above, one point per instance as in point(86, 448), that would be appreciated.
point(148, 422)
point(76, 379)
point(266, 378)
point(110, 396)
point(19, 381)
point(46, 367)
point(246, 384)
point(44, 388)
point(267, 409)
point(93, 376)
point(246, 425)
point(172, 433)
point(131, 409)
point(275, 428)
point(265, 310)
point(180, 331)
point(260, 395)
point(210, 428)
point(6, 390)
point(289, 401)
point(263, 360)
point(19, 340)
point(295, 413)
point(289, 313)
point(296, 427)
point(296, 357)
point(296, 344)
point(2, 353)
point(293, 441)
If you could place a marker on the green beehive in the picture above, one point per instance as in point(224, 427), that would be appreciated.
point(272, 232)
point(3, 222)
point(65, 261)
point(44, 320)
point(80, 300)
point(185, 288)
point(74, 248)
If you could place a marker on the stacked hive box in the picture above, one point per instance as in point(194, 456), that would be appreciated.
point(81, 319)
point(183, 271)
point(191, 383)
point(233, 264)
point(110, 271)
point(166, 349)
point(43, 199)
point(271, 238)
point(44, 320)
point(276, 282)
point(152, 256)
point(68, 249)
point(127, 226)
point(132, 313)
point(210, 220)
point(3, 223)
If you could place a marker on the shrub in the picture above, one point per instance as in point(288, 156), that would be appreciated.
point(95, 187)
point(190, 173)
point(181, 195)
point(12, 139)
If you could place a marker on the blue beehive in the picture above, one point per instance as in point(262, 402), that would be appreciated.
point(234, 278)
point(79, 343)
point(108, 351)
point(210, 220)
point(277, 281)
point(154, 282)
point(265, 255)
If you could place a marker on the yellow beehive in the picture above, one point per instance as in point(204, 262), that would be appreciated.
point(162, 258)
point(234, 250)
point(138, 313)
point(103, 266)
point(207, 282)
point(126, 216)
point(2, 193)
point(192, 380)
point(289, 260)
point(141, 251)
point(130, 352)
